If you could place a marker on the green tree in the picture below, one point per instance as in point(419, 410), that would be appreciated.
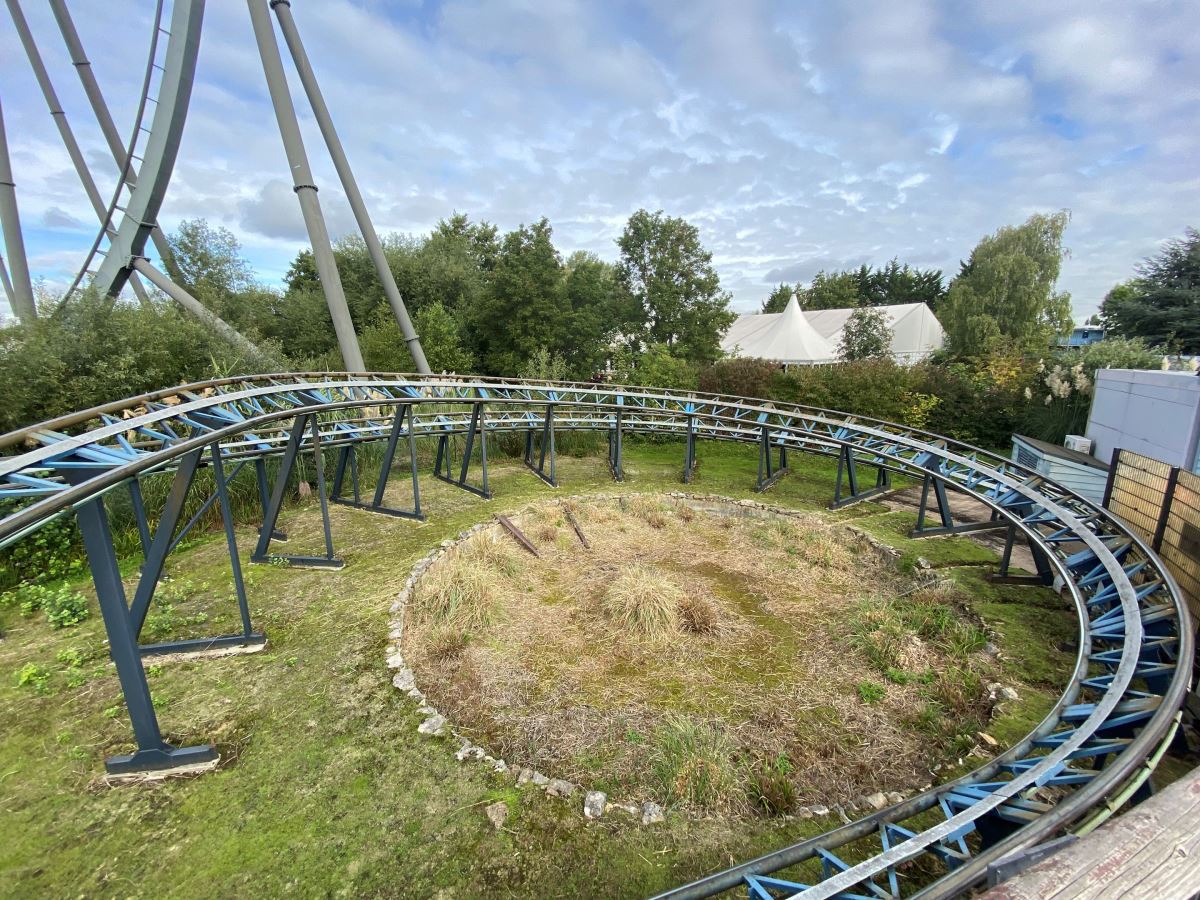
point(894, 284)
point(1161, 305)
point(207, 262)
point(778, 299)
point(442, 341)
point(524, 309)
point(656, 366)
point(866, 335)
point(1005, 293)
point(676, 292)
point(597, 311)
point(836, 290)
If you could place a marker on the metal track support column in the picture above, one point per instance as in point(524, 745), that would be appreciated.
point(1044, 576)
point(291, 35)
point(547, 445)
point(153, 752)
point(385, 468)
point(689, 452)
point(616, 449)
point(264, 494)
point(932, 480)
point(290, 452)
point(475, 427)
point(848, 474)
point(20, 287)
point(304, 186)
point(768, 471)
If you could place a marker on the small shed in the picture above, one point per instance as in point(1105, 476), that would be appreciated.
point(1079, 472)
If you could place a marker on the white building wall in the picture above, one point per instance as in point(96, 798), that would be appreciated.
point(1156, 414)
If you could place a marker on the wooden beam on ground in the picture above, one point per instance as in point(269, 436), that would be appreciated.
point(517, 534)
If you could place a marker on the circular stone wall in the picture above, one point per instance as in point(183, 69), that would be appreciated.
point(713, 656)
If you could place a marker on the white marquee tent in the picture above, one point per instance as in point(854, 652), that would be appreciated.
point(795, 337)
point(787, 337)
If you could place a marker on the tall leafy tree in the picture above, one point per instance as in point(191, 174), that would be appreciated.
point(598, 310)
point(1162, 304)
point(1005, 296)
point(524, 309)
point(894, 284)
point(207, 262)
point(778, 299)
point(676, 291)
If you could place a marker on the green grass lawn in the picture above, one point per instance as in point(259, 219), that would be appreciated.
point(325, 787)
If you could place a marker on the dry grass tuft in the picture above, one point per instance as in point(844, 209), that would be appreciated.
point(644, 601)
point(698, 614)
point(445, 643)
point(650, 511)
point(545, 533)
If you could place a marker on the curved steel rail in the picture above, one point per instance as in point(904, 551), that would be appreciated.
point(1135, 637)
point(123, 181)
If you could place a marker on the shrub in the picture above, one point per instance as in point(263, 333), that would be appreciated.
point(739, 377)
point(65, 608)
point(34, 676)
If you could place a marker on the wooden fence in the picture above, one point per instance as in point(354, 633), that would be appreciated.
point(1162, 503)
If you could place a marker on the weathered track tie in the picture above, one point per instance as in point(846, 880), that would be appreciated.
point(575, 524)
point(517, 535)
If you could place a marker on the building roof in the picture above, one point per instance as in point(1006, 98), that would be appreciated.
point(915, 329)
point(786, 337)
point(1083, 459)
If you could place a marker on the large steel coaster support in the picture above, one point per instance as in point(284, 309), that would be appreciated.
point(291, 35)
point(545, 446)
point(20, 287)
point(264, 496)
point(305, 186)
point(848, 474)
point(348, 459)
point(153, 753)
point(476, 428)
point(290, 453)
point(67, 135)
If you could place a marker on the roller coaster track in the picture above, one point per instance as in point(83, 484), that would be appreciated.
point(1118, 710)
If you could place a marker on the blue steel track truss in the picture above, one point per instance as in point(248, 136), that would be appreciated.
point(1119, 708)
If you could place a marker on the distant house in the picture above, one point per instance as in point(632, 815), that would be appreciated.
point(1082, 336)
point(797, 337)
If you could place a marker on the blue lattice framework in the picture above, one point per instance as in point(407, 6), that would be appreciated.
point(1118, 710)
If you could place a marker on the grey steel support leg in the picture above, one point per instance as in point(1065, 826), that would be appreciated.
point(153, 752)
point(305, 186)
point(476, 427)
point(291, 35)
point(20, 288)
point(689, 452)
point(64, 130)
point(385, 469)
point(291, 451)
point(547, 446)
point(848, 475)
point(616, 449)
point(768, 471)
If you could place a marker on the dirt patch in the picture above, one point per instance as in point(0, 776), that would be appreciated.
point(698, 655)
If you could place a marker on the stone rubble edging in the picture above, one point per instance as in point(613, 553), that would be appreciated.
point(596, 803)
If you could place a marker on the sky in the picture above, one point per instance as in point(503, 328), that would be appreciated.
point(797, 136)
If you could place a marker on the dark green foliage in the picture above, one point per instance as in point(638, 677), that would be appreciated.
point(889, 285)
point(739, 377)
point(49, 554)
point(677, 296)
point(1162, 304)
point(866, 335)
point(778, 299)
point(89, 354)
point(1004, 296)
